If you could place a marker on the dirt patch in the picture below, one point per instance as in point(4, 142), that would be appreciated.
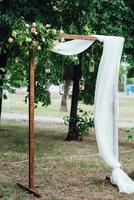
point(64, 170)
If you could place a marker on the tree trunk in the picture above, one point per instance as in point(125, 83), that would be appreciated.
point(73, 133)
point(3, 62)
point(63, 107)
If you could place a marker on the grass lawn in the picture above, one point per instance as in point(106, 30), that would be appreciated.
point(64, 170)
point(16, 104)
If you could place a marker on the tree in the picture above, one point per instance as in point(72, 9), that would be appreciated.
point(4, 34)
point(11, 13)
point(104, 17)
point(63, 107)
point(67, 77)
point(101, 17)
point(3, 60)
point(73, 134)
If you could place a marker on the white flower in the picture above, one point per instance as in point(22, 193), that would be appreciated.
point(28, 39)
point(14, 33)
point(47, 70)
point(27, 30)
point(36, 33)
point(39, 48)
point(34, 24)
point(61, 31)
point(54, 31)
point(10, 39)
point(27, 25)
point(47, 25)
point(2, 69)
point(34, 43)
point(43, 39)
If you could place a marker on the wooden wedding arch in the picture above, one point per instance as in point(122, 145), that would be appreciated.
point(31, 135)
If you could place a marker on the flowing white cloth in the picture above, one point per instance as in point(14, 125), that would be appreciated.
point(105, 102)
point(72, 47)
point(106, 110)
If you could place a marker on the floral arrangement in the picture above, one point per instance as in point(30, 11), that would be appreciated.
point(34, 36)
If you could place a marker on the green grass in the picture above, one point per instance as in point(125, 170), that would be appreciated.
point(126, 109)
point(17, 105)
point(64, 170)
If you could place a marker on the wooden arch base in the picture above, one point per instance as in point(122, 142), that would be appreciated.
point(30, 191)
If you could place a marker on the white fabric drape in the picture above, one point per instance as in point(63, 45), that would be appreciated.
point(106, 102)
point(72, 47)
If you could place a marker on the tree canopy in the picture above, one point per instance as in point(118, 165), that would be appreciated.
point(91, 17)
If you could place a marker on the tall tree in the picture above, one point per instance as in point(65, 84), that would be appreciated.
point(73, 133)
point(66, 85)
point(10, 13)
point(3, 61)
point(104, 17)
point(5, 30)
point(67, 76)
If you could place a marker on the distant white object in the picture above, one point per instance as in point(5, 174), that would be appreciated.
point(54, 90)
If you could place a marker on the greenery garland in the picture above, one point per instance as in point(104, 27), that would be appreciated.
point(36, 36)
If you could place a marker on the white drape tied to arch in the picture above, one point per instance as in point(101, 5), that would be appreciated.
point(106, 102)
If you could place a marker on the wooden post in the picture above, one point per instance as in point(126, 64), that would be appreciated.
point(31, 120)
point(80, 37)
point(31, 186)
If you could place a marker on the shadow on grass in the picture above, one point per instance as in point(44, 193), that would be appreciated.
point(14, 141)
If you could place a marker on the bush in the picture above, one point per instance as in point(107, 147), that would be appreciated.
point(84, 120)
point(130, 80)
